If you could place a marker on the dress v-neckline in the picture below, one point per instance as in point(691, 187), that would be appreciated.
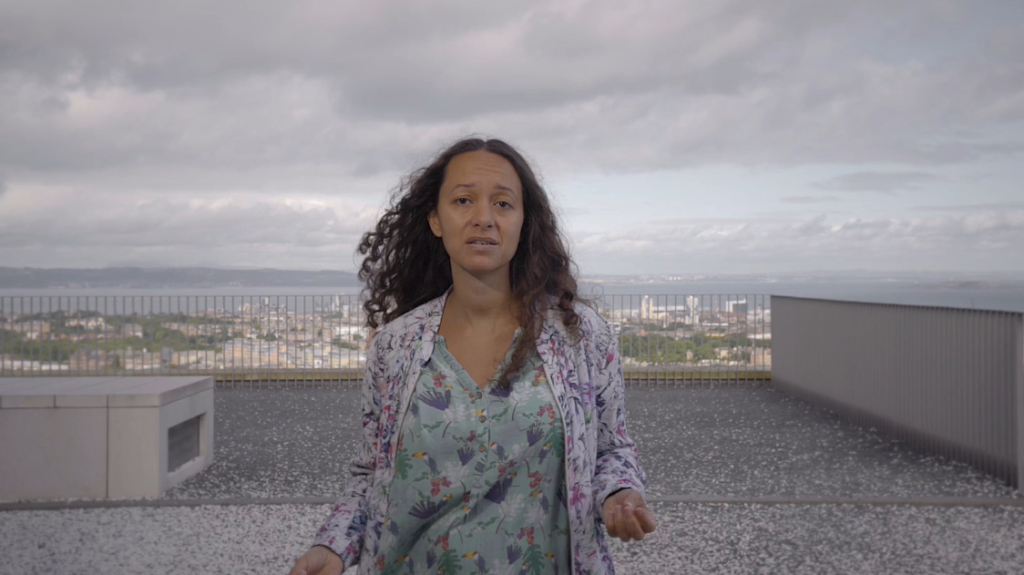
point(461, 372)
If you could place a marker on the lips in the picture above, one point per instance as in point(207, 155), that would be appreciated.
point(482, 242)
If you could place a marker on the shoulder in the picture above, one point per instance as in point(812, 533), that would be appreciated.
point(590, 320)
point(409, 325)
point(594, 330)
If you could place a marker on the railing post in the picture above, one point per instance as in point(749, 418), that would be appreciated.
point(1019, 396)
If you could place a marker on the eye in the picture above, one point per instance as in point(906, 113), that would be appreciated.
point(504, 204)
point(462, 201)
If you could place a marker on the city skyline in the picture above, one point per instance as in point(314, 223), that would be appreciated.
point(238, 334)
point(673, 137)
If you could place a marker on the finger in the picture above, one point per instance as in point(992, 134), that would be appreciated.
point(300, 567)
point(620, 523)
point(631, 523)
point(635, 528)
point(647, 522)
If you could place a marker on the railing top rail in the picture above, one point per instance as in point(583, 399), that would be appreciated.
point(896, 305)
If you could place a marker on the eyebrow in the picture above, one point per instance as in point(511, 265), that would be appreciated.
point(473, 185)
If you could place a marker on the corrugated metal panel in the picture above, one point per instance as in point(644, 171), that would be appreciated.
point(945, 380)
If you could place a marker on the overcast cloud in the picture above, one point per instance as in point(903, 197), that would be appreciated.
point(674, 136)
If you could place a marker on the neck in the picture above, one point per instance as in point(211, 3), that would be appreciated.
point(481, 301)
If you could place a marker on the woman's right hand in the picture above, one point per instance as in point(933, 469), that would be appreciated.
point(318, 560)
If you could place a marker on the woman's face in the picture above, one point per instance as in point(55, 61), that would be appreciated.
point(479, 213)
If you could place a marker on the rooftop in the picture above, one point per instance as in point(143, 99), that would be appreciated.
point(747, 480)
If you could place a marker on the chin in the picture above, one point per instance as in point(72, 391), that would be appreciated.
point(482, 269)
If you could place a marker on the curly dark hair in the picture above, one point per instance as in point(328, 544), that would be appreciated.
point(406, 265)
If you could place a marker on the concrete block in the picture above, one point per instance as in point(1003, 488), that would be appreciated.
point(121, 448)
point(80, 401)
point(16, 383)
point(134, 453)
point(26, 402)
point(45, 385)
point(58, 454)
point(156, 391)
point(199, 404)
point(138, 445)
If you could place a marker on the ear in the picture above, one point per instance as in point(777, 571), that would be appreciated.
point(435, 222)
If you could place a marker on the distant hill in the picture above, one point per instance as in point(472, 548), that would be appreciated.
point(155, 278)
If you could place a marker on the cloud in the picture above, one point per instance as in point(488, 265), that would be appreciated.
point(809, 199)
point(986, 207)
point(986, 240)
point(881, 182)
point(236, 131)
point(372, 85)
point(246, 230)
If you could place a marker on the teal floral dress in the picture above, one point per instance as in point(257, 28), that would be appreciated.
point(479, 483)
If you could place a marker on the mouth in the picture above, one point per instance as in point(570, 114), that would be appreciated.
point(482, 242)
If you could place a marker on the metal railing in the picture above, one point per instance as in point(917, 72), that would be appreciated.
point(252, 340)
point(947, 381)
point(708, 339)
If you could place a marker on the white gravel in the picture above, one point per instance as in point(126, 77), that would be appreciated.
point(728, 443)
point(748, 442)
point(738, 442)
point(693, 538)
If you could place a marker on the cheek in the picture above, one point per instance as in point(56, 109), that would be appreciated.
point(521, 231)
point(447, 240)
point(445, 225)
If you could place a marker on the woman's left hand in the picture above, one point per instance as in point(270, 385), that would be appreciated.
point(626, 516)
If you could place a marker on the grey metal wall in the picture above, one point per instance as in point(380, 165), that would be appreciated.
point(948, 381)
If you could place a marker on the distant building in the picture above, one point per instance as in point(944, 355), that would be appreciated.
point(193, 329)
point(738, 307)
point(200, 359)
point(93, 360)
point(86, 322)
point(139, 360)
point(36, 327)
point(762, 357)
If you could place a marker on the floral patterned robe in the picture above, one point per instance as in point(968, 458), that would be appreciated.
point(586, 379)
point(480, 476)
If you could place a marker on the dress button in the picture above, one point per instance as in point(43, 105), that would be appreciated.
point(482, 449)
point(483, 418)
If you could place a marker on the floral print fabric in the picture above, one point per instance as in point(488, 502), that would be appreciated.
point(585, 375)
point(478, 484)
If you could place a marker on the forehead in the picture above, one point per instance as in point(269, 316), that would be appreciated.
point(481, 169)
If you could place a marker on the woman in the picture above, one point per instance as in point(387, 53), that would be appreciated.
point(494, 435)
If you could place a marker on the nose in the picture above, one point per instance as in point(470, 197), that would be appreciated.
point(483, 215)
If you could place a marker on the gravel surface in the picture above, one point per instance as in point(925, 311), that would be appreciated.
point(728, 442)
point(759, 441)
point(278, 443)
point(693, 538)
point(822, 539)
point(724, 442)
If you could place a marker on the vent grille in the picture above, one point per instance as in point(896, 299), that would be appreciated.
point(182, 443)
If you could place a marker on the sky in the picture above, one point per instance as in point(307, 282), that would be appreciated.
point(675, 137)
